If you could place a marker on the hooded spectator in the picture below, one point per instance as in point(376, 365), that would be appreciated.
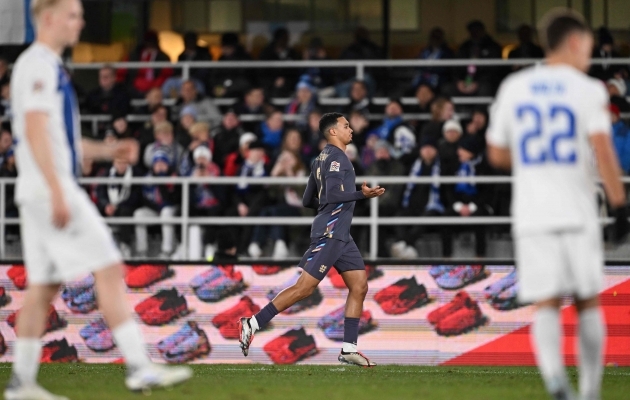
point(303, 103)
point(164, 142)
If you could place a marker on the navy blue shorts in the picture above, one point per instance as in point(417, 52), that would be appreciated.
point(324, 253)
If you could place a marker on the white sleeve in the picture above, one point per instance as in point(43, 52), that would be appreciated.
point(498, 133)
point(597, 114)
point(38, 87)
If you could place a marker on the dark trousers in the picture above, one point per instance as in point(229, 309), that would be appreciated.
point(411, 233)
point(124, 233)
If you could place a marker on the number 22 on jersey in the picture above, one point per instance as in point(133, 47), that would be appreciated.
point(546, 131)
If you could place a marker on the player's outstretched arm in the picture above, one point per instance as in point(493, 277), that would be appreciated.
point(36, 133)
point(610, 172)
point(125, 149)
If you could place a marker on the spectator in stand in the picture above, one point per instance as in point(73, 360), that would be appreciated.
point(447, 147)
point(279, 81)
point(164, 143)
point(5, 99)
point(473, 80)
point(320, 77)
point(368, 153)
point(194, 52)
point(250, 199)
point(119, 129)
point(109, 98)
point(617, 92)
point(199, 136)
point(362, 48)
point(271, 131)
point(359, 99)
point(388, 204)
point(144, 79)
point(159, 200)
point(477, 125)
point(292, 141)
point(425, 95)
point(286, 202)
point(253, 103)
point(360, 126)
point(352, 152)
point(147, 133)
point(437, 49)
point(235, 160)
point(120, 200)
point(312, 136)
point(206, 200)
point(187, 118)
point(231, 82)
point(466, 199)
point(7, 154)
point(526, 47)
point(154, 99)
point(207, 111)
point(621, 139)
point(442, 110)
point(226, 250)
point(606, 50)
point(5, 73)
point(227, 136)
point(419, 200)
point(303, 103)
point(397, 132)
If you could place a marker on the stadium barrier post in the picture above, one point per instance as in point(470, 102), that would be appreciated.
point(185, 211)
point(360, 71)
point(373, 223)
point(186, 71)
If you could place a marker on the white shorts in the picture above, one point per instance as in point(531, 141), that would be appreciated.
point(554, 264)
point(54, 255)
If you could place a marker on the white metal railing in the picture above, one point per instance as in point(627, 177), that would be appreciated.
point(185, 220)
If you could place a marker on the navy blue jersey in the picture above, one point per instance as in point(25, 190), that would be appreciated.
point(331, 189)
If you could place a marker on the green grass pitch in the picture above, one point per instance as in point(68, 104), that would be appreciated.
point(252, 382)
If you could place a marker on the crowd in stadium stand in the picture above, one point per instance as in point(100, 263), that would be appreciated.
point(193, 136)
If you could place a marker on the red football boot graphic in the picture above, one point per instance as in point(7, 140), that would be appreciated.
point(461, 321)
point(244, 307)
point(458, 302)
point(291, 347)
point(266, 269)
point(146, 274)
point(17, 274)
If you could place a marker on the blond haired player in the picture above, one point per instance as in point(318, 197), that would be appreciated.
point(63, 235)
point(547, 124)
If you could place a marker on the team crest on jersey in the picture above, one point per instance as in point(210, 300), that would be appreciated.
point(334, 166)
point(322, 269)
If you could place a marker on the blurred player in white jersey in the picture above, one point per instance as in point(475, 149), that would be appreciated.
point(551, 125)
point(63, 234)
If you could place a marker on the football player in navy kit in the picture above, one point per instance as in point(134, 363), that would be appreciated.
point(330, 190)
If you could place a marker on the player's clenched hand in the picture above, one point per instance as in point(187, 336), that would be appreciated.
point(371, 192)
point(127, 149)
point(60, 210)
